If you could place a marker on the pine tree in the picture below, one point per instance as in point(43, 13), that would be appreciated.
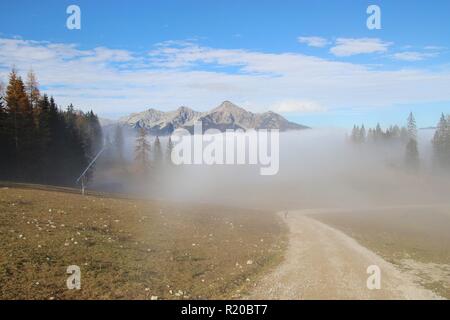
point(378, 132)
point(362, 134)
point(441, 143)
point(169, 149)
point(158, 156)
point(142, 151)
point(355, 134)
point(358, 134)
point(412, 152)
point(411, 127)
point(56, 146)
point(44, 138)
point(95, 133)
point(76, 158)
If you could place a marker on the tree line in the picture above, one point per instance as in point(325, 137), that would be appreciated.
point(441, 142)
point(408, 136)
point(40, 142)
point(149, 155)
point(377, 134)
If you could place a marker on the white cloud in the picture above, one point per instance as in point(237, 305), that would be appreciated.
point(102, 54)
point(413, 55)
point(433, 48)
point(298, 106)
point(348, 47)
point(317, 42)
point(174, 74)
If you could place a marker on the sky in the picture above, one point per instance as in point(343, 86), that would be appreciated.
point(315, 62)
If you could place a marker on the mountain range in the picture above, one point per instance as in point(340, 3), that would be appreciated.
point(226, 116)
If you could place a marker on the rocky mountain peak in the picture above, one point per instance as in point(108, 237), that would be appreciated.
point(226, 116)
point(228, 106)
point(184, 109)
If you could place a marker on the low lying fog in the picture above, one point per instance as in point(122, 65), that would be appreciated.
point(318, 169)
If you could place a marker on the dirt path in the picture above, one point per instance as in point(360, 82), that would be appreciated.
point(323, 263)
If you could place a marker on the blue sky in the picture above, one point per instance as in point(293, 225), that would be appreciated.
point(315, 62)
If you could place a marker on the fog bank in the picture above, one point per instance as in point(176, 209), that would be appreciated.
point(318, 168)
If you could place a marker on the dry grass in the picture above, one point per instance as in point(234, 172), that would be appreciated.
point(130, 249)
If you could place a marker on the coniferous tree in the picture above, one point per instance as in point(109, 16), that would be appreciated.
point(378, 132)
point(441, 143)
point(21, 123)
point(358, 134)
point(412, 152)
point(39, 142)
point(94, 132)
point(75, 157)
point(411, 127)
point(355, 134)
point(44, 138)
point(158, 156)
point(90, 131)
point(15, 100)
point(142, 151)
point(362, 134)
point(57, 128)
point(32, 89)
